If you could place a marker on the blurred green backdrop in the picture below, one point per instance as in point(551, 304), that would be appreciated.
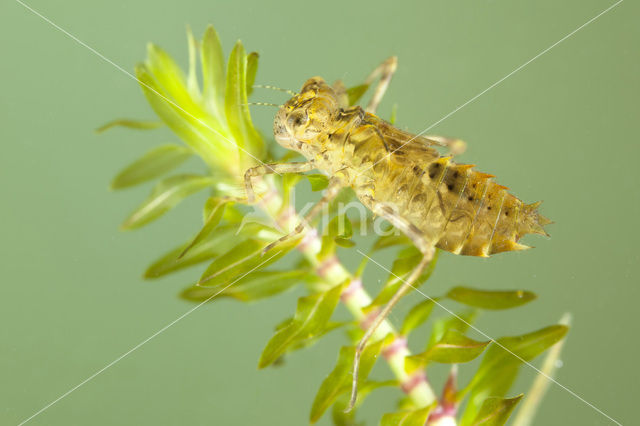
point(563, 129)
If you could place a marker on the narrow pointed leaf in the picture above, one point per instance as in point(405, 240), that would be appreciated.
point(496, 411)
point(255, 286)
point(289, 182)
point(168, 75)
point(490, 299)
point(237, 108)
point(417, 316)
point(355, 93)
point(130, 124)
point(518, 348)
point(341, 230)
point(500, 365)
point(339, 380)
point(213, 78)
point(340, 226)
point(241, 259)
point(312, 339)
point(407, 418)
point(205, 136)
point(153, 164)
point(459, 322)
point(252, 69)
point(164, 197)
point(192, 79)
point(312, 314)
point(390, 241)
point(399, 272)
point(394, 114)
point(318, 182)
point(215, 207)
point(215, 244)
point(542, 382)
point(453, 348)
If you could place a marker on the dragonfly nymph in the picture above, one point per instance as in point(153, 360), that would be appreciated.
point(399, 176)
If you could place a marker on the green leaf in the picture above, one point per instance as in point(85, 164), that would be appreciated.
point(356, 92)
point(215, 209)
point(215, 244)
point(406, 262)
point(169, 75)
point(340, 226)
point(192, 79)
point(341, 230)
point(453, 348)
point(496, 411)
point(394, 114)
point(257, 230)
point(459, 322)
point(244, 257)
point(204, 135)
point(254, 286)
point(213, 79)
point(400, 270)
point(312, 315)
point(390, 241)
point(308, 341)
point(252, 69)
point(327, 248)
point(344, 242)
point(166, 195)
point(289, 181)
point(407, 418)
point(237, 108)
point(417, 316)
point(153, 164)
point(130, 124)
point(318, 182)
point(501, 362)
point(490, 299)
point(339, 380)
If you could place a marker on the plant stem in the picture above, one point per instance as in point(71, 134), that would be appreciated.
point(355, 298)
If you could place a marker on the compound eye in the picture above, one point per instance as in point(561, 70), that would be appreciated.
point(297, 119)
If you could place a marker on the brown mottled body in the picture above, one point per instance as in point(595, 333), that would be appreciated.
point(399, 176)
point(452, 206)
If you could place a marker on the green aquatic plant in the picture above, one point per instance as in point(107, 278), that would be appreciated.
point(211, 116)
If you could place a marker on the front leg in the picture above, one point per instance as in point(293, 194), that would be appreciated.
point(335, 185)
point(266, 169)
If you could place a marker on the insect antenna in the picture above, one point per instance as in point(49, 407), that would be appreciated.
point(263, 104)
point(266, 86)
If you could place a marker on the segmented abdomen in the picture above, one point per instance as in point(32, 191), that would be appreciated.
point(457, 208)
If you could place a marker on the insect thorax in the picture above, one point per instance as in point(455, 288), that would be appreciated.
point(451, 205)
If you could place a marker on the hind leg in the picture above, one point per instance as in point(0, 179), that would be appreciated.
point(385, 71)
point(455, 146)
point(426, 248)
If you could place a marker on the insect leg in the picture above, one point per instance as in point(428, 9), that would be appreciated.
point(455, 146)
point(341, 93)
point(335, 185)
point(427, 250)
point(266, 169)
point(385, 70)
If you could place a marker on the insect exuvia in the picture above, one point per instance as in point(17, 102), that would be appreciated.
point(398, 176)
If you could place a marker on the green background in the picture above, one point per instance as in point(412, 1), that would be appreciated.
point(563, 129)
